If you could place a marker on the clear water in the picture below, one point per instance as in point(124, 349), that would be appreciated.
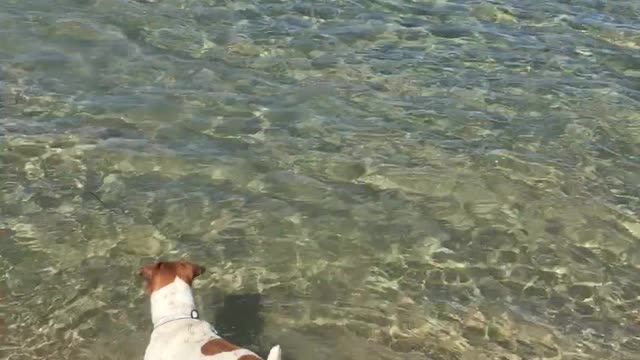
point(394, 179)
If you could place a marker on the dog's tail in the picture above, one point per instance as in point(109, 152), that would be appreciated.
point(275, 353)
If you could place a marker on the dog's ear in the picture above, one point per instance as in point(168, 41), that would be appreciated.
point(188, 271)
point(147, 271)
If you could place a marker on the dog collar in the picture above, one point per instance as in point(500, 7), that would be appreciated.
point(195, 315)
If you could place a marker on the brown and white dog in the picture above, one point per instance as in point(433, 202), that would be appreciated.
point(178, 332)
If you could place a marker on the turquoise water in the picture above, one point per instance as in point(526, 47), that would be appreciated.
point(395, 179)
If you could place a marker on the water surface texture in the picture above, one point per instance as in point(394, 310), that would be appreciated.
point(382, 179)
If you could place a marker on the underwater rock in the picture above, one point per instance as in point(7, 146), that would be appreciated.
point(143, 240)
point(82, 29)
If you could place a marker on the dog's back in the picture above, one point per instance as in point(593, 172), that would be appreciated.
point(195, 340)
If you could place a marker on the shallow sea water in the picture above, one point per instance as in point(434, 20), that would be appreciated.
point(388, 179)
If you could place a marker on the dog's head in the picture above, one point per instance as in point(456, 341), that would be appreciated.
point(163, 273)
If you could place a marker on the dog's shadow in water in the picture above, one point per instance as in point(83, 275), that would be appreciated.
point(238, 318)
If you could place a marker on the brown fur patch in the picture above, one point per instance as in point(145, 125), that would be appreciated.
point(217, 346)
point(161, 274)
point(249, 357)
